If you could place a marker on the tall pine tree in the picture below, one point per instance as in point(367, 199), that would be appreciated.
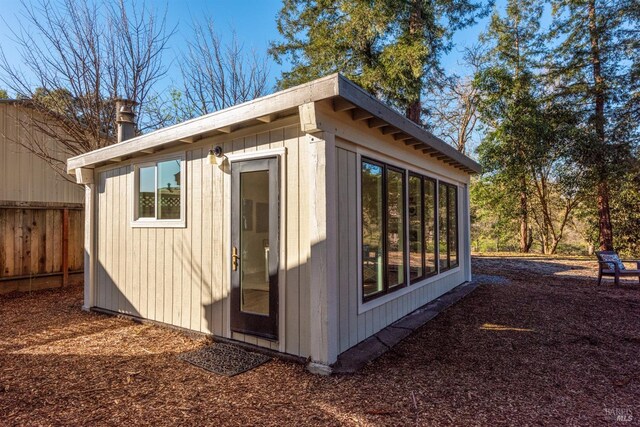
point(596, 50)
point(389, 47)
point(509, 104)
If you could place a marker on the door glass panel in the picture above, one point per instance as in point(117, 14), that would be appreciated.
point(254, 242)
point(372, 234)
point(395, 227)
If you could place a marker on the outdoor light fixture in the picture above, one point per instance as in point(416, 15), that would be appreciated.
point(215, 156)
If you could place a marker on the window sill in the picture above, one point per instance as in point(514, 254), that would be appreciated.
point(444, 270)
point(381, 294)
point(168, 223)
point(424, 277)
point(363, 307)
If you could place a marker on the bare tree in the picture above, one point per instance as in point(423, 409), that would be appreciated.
point(218, 75)
point(77, 57)
point(215, 75)
point(551, 208)
point(453, 102)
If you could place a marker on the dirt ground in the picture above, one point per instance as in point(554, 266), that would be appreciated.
point(541, 346)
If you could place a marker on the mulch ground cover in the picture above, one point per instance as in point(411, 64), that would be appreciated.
point(545, 347)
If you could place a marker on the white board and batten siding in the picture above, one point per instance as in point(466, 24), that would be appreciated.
point(179, 276)
point(358, 321)
point(355, 323)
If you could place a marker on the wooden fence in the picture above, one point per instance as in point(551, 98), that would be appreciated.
point(41, 246)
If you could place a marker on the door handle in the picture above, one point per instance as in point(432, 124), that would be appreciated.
point(234, 259)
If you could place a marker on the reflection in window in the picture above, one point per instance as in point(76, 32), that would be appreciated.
point(169, 189)
point(409, 227)
point(147, 192)
point(372, 233)
point(395, 227)
point(159, 190)
point(448, 225)
point(416, 262)
point(254, 242)
point(430, 225)
point(443, 247)
point(422, 223)
point(452, 214)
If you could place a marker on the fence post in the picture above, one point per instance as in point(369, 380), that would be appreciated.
point(65, 247)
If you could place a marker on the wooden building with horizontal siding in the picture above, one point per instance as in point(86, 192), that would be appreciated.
point(41, 212)
point(304, 221)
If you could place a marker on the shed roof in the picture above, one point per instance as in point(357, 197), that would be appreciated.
point(340, 91)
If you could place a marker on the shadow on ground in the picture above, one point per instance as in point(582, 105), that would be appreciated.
point(548, 349)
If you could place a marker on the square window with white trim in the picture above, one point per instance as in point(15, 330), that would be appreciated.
point(159, 193)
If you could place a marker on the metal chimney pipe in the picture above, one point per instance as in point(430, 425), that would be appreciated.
point(125, 119)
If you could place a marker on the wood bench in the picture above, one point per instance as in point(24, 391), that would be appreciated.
point(609, 259)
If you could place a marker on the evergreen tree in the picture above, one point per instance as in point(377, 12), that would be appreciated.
point(625, 201)
point(389, 47)
point(508, 102)
point(595, 55)
point(631, 38)
point(493, 214)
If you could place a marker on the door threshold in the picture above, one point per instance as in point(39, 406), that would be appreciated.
point(269, 338)
point(263, 350)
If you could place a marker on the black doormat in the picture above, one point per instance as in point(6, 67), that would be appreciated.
point(224, 359)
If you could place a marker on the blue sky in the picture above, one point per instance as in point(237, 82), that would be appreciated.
point(253, 21)
point(255, 24)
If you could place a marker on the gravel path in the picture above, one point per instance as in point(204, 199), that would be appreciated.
point(490, 279)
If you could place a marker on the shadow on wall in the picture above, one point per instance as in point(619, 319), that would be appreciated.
point(157, 273)
point(167, 298)
point(201, 303)
point(174, 276)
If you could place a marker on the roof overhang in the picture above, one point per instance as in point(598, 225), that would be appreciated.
point(341, 92)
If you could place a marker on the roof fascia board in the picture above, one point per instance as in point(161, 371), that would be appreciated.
point(316, 90)
point(357, 96)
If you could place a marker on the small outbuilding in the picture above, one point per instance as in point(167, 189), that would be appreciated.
point(304, 221)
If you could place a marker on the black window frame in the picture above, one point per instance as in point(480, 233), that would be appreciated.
point(404, 217)
point(383, 231)
point(385, 219)
point(422, 228)
point(448, 217)
point(436, 249)
point(434, 218)
point(435, 221)
point(456, 212)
